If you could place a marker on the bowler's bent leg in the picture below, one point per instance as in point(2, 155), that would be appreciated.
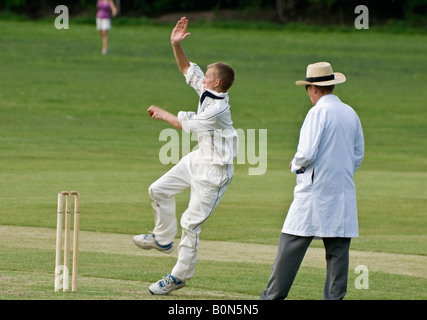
point(204, 199)
point(289, 256)
point(162, 194)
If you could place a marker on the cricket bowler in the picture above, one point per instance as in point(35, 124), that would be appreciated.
point(207, 171)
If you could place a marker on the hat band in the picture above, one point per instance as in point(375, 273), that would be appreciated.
point(320, 79)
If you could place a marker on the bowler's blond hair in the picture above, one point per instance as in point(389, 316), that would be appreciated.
point(225, 73)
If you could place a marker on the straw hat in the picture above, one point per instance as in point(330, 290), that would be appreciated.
point(321, 74)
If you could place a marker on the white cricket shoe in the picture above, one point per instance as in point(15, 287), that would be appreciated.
point(166, 286)
point(148, 241)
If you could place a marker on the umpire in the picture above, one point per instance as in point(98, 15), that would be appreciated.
point(330, 150)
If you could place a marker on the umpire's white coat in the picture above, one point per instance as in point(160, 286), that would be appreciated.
point(331, 149)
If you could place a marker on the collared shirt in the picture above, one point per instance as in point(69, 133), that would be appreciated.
point(330, 149)
point(216, 136)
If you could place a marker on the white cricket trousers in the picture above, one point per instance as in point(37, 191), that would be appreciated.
point(208, 184)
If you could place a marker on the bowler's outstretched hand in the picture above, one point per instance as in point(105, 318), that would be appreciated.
point(179, 33)
point(160, 114)
point(157, 113)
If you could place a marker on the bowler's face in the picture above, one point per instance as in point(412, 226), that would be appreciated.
point(209, 81)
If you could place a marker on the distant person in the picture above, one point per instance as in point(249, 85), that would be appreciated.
point(105, 8)
point(330, 150)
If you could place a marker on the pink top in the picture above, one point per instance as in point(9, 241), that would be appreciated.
point(104, 10)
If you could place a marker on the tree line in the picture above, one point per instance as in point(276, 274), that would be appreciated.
point(317, 11)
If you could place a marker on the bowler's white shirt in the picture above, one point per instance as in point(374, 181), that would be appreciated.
point(331, 149)
point(216, 136)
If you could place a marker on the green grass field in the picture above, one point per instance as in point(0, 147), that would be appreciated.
point(72, 119)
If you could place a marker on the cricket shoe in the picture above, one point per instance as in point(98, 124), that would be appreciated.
point(148, 241)
point(166, 286)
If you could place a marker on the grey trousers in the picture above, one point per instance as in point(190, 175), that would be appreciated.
point(289, 256)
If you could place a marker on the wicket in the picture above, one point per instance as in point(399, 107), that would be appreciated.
point(58, 266)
